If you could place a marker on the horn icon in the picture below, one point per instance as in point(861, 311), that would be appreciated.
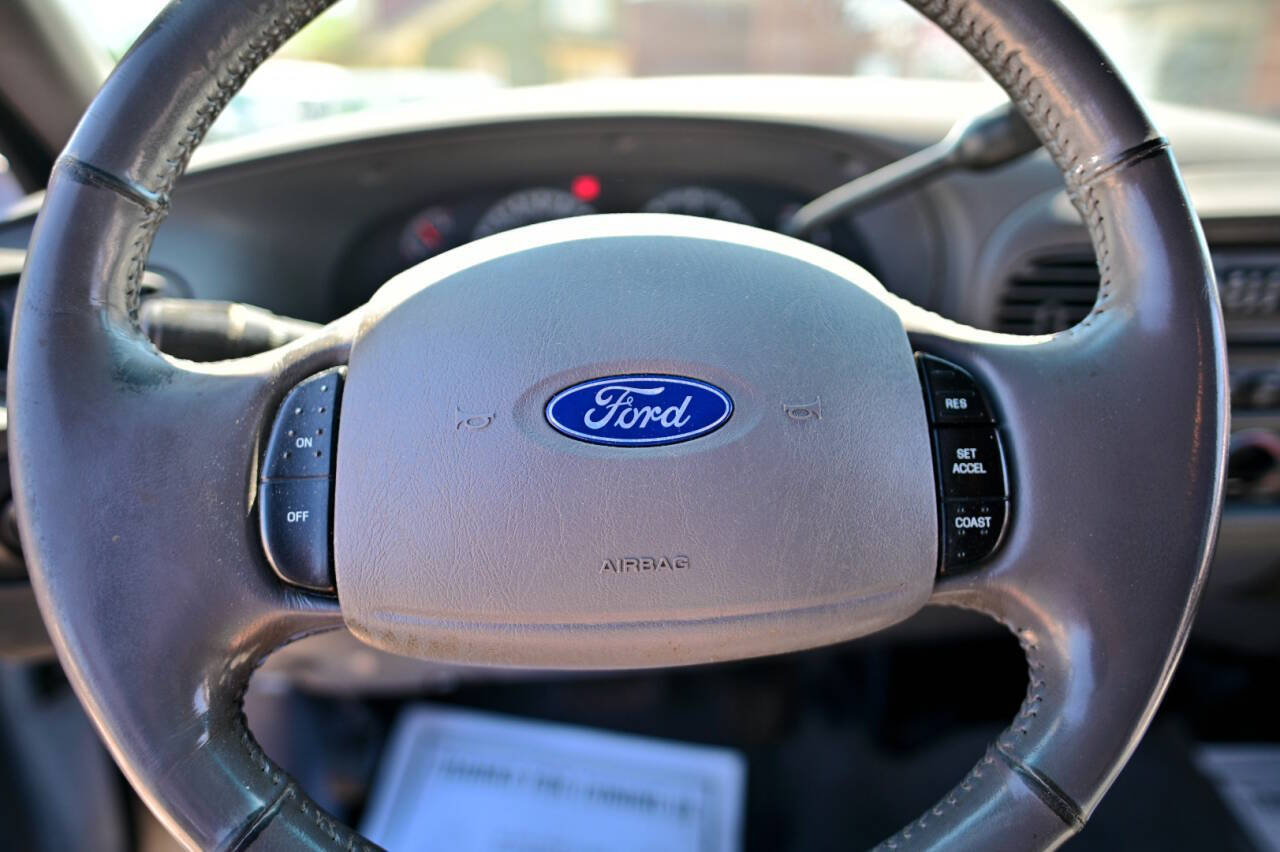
point(801, 413)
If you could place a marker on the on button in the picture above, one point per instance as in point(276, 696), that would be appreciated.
point(302, 439)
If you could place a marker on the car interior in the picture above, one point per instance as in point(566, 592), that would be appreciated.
point(592, 425)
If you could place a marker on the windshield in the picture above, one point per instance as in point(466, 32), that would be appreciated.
point(366, 54)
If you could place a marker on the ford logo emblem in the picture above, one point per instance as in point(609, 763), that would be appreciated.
point(639, 410)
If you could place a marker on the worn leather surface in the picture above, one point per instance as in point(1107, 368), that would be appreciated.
point(133, 473)
point(1115, 434)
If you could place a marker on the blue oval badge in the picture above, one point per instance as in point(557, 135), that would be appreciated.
point(639, 410)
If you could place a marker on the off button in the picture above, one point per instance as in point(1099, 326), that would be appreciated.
point(970, 463)
point(294, 514)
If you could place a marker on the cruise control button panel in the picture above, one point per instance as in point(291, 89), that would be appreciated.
point(295, 492)
point(969, 459)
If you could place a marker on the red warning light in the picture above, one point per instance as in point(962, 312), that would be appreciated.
point(585, 188)
point(429, 235)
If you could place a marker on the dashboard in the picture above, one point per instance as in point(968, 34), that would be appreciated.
point(310, 228)
point(311, 222)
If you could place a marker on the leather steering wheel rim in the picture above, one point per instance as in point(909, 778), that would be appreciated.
point(138, 517)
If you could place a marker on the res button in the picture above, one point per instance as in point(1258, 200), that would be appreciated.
point(953, 395)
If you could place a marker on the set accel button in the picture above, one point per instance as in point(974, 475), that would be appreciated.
point(970, 463)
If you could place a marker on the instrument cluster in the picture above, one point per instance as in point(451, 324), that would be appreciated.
point(416, 235)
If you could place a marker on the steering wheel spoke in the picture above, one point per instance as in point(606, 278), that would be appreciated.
point(1093, 587)
point(148, 564)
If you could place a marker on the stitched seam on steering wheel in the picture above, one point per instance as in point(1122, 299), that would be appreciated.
point(1020, 727)
point(1091, 209)
point(277, 30)
point(1008, 69)
point(137, 265)
point(154, 209)
point(907, 836)
point(342, 836)
point(1007, 740)
point(1054, 797)
point(1090, 206)
point(1025, 89)
point(254, 826)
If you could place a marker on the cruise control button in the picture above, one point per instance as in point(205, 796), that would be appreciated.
point(954, 397)
point(294, 514)
point(958, 406)
point(970, 463)
point(972, 530)
point(302, 437)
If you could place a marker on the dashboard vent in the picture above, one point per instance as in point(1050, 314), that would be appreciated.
point(1049, 293)
point(1053, 292)
point(1249, 281)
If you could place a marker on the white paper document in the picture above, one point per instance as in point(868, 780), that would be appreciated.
point(1248, 779)
point(474, 782)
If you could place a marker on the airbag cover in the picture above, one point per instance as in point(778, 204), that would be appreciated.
point(468, 529)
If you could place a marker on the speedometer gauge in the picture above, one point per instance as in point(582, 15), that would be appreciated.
point(701, 201)
point(427, 234)
point(528, 207)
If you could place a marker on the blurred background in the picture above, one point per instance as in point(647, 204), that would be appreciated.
point(372, 53)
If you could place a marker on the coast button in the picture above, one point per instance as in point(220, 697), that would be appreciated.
point(972, 531)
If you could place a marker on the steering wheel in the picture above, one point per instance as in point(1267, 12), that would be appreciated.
point(470, 524)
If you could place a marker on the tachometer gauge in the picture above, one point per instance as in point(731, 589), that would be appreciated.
point(427, 234)
point(528, 207)
point(701, 201)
